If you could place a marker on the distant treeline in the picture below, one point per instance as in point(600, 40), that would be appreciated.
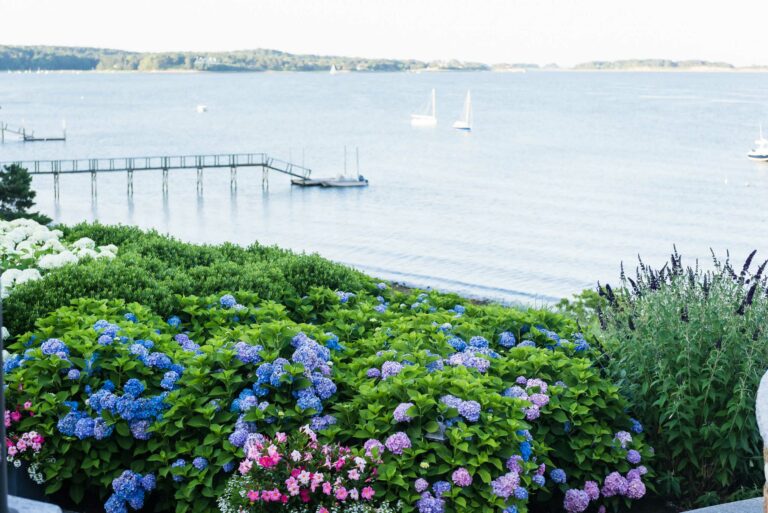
point(651, 64)
point(22, 58)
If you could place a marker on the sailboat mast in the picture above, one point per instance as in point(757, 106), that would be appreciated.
point(434, 106)
point(357, 157)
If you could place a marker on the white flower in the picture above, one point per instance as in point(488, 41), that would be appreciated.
point(84, 243)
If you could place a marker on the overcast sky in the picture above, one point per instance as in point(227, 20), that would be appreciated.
point(538, 31)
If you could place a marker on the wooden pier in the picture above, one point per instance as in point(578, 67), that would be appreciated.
point(130, 165)
point(28, 136)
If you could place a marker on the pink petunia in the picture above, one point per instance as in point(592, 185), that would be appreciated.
point(368, 493)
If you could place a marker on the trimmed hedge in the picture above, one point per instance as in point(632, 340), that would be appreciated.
point(151, 269)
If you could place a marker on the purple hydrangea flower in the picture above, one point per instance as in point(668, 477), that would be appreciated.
point(514, 465)
point(633, 457)
point(592, 489)
point(623, 438)
point(470, 410)
point(372, 444)
point(540, 400)
point(635, 489)
point(430, 504)
point(539, 480)
point(398, 442)
point(390, 369)
point(421, 485)
point(461, 477)
point(73, 374)
point(532, 413)
point(451, 401)
point(505, 485)
point(576, 501)
point(615, 484)
point(373, 372)
point(401, 412)
point(200, 463)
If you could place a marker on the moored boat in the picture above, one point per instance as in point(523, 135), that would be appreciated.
point(429, 118)
point(760, 151)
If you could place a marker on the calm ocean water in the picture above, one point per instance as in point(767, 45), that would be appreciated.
point(564, 176)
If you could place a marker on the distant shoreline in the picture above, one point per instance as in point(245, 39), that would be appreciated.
point(30, 59)
point(415, 72)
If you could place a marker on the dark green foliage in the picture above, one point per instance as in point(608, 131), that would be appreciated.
point(16, 195)
point(688, 347)
point(151, 268)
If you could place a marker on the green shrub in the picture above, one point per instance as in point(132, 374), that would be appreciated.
point(151, 269)
point(251, 374)
point(688, 347)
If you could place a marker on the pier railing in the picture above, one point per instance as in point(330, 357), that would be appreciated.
point(129, 165)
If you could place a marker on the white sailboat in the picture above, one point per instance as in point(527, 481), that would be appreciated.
point(333, 69)
point(760, 151)
point(429, 119)
point(465, 123)
point(347, 181)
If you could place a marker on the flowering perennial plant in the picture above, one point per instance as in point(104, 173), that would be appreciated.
point(298, 470)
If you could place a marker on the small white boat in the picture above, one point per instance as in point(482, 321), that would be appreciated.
point(429, 118)
point(465, 123)
point(333, 69)
point(202, 108)
point(760, 151)
point(347, 181)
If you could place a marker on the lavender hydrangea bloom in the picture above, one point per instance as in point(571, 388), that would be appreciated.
point(623, 438)
point(430, 504)
point(461, 477)
point(633, 457)
point(451, 401)
point(390, 368)
point(615, 484)
point(397, 443)
point(371, 445)
point(373, 372)
point(636, 426)
point(635, 489)
point(505, 485)
point(539, 480)
point(576, 501)
point(516, 392)
point(521, 493)
point(421, 485)
point(592, 489)
point(540, 400)
point(513, 464)
point(200, 463)
point(247, 353)
point(73, 374)
point(470, 410)
point(401, 412)
point(532, 413)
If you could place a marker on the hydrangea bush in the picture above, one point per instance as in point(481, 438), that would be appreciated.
point(462, 407)
point(28, 249)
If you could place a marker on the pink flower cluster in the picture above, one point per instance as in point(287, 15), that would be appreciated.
point(31, 440)
point(299, 470)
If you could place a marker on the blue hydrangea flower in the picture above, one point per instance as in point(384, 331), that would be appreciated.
point(130, 317)
point(507, 339)
point(54, 346)
point(133, 387)
point(200, 463)
point(526, 450)
point(227, 301)
point(73, 374)
point(558, 476)
point(174, 322)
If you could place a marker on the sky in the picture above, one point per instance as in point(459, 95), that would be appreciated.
point(565, 32)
